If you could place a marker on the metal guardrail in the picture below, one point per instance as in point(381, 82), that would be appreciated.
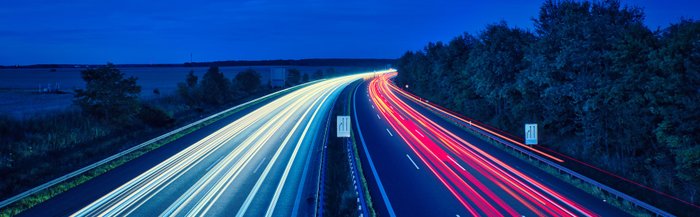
point(362, 204)
point(73, 174)
point(572, 173)
point(321, 189)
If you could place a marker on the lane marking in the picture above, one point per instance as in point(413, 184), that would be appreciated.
point(421, 135)
point(387, 130)
point(387, 203)
point(372, 106)
point(378, 117)
point(110, 158)
point(215, 163)
point(414, 163)
point(453, 160)
point(268, 168)
point(259, 164)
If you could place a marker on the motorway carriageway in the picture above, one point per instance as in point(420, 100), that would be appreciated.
point(255, 166)
point(423, 165)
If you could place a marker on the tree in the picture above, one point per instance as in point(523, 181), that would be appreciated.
point(318, 74)
point(215, 88)
point(191, 79)
point(330, 71)
point(248, 80)
point(676, 94)
point(155, 117)
point(495, 63)
point(108, 96)
point(305, 78)
point(188, 89)
point(571, 66)
point(617, 94)
point(293, 77)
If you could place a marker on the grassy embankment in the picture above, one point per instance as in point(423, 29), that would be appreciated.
point(340, 198)
point(50, 192)
point(586, 187)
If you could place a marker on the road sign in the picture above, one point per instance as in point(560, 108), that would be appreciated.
point(531, 134)
point(343, 126)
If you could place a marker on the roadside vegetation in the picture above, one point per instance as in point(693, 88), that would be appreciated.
point(602, 86)
point(340, 196)
point(108, 117)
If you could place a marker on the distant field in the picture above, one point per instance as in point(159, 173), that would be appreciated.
point(20, 89)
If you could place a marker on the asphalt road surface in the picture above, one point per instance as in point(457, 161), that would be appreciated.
point(423, 165)
point(259, 164)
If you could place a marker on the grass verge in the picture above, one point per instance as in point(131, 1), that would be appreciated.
point(46, 194)
point(584, 186)
point(363, 181)
point(339, 194)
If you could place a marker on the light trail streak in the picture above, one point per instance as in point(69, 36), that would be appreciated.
point(439, 149)
point(220, 160)
point(500, 134)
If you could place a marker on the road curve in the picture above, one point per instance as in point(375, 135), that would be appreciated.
point(254, 166)
point(429, 166)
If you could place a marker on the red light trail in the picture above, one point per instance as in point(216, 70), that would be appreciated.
point(442, 151)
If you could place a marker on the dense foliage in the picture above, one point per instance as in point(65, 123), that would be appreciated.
point(248, 80)
point(108, 95)
point(293, 77)
point(603, 87)
point(111, 117)
point(318, 74)
point(215, 89)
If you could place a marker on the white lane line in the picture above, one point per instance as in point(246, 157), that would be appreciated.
point(259, 164)
point(372, 106)
point(215, 162)
point(268, 168)
point(453, 160)
point(420, 134)
point(387, 130)
point(385, 198)
point(283, 180)
point(414, 163)
point(378, 117)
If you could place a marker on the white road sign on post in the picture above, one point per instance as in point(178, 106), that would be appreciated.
point(343, 126)
point(531, 134)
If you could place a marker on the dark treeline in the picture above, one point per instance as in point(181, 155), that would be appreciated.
point(299, 62)
point(108, 116)
point(603, 87)
point(289, 62)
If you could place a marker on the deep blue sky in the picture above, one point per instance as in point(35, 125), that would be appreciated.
point(140, 31)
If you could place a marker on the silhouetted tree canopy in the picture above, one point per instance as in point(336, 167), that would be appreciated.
point(188, 90)
point(108, 96)
point(318, 74)
point(603, 87)
point(293, 77)
point(214, 87)
point(248, 80)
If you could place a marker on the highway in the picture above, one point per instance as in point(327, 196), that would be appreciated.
point(261, 164)
point(423, 165)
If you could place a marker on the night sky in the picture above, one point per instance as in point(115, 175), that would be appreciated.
point(138, 31)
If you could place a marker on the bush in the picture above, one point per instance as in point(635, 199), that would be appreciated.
point(155, 117)
point(248, 80)
point(108, 96)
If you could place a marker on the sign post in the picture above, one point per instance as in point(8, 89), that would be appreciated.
point(531, 134)
point(343, 126)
